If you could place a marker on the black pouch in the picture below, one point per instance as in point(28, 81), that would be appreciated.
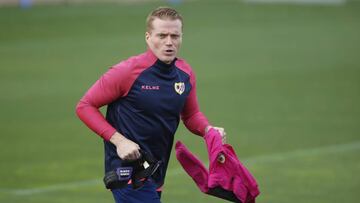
point(137, 171)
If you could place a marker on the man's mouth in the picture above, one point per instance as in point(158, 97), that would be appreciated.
point(169, 51)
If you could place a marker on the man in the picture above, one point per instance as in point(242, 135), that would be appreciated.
point(146, 96)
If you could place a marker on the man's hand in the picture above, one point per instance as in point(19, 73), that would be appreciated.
point(220, 130)
point(125, 148)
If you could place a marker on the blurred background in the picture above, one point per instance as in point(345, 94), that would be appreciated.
point(282, 77)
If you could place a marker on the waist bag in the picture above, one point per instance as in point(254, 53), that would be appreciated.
point(134, 172)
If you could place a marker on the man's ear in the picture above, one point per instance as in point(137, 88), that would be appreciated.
point(147, 36)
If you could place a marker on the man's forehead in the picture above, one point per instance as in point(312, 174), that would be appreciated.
point(166, 25)
point(167, 32)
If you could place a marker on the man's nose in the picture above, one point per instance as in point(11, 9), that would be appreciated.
point(169, 41)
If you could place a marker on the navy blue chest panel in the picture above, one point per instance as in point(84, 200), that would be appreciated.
point(159, 93)
point(150, 113)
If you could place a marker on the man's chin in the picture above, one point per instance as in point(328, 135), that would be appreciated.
point(167, 60)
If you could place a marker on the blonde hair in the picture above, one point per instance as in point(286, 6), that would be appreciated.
point(162, 13)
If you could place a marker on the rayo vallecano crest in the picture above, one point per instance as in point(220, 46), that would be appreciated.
point(179, 87)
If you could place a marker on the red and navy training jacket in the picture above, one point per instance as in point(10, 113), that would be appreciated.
point(146, 99)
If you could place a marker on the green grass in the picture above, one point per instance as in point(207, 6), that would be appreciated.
point(278, 78)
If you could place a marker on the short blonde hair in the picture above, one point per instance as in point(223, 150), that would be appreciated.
point(162, 13)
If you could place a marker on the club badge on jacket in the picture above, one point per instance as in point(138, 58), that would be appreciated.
point(179, 87)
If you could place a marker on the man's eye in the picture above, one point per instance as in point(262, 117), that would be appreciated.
point(162, 36)
point(175, 36)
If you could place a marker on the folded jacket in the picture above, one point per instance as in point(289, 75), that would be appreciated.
point(227, 177)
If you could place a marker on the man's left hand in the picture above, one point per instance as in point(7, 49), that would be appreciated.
point(220, 130)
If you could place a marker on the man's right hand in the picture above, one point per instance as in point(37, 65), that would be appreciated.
point(125, 148)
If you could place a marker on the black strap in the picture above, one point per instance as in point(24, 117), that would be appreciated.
point(139, 174)
point(139, 177)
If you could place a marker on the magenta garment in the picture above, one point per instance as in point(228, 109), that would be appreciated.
point(228, 180)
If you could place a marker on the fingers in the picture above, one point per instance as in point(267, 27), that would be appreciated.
point(208, 128)
point(131, 156)
point(223, 139)
point(222, 133)
point(128, 150)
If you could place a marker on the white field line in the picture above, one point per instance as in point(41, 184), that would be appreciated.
point(51, 188)
point(278, 157)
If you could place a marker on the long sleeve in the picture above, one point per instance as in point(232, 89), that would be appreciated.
point(111, 86)
point(191, 115)
point(114, 84)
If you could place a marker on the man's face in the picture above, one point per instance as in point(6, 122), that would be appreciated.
point(164, 39)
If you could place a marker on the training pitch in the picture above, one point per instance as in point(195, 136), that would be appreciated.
point(282, 79)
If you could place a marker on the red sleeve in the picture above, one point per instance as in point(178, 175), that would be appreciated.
point(193, 119)
point(104, 91)
point(112, 85)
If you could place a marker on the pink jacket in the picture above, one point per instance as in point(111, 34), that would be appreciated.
point(227, 178)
